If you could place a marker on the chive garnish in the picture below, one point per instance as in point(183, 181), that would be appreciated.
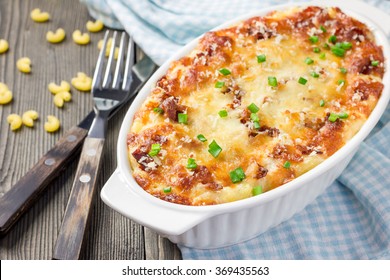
point(167, 189)
point(261, 58)
point(158, 110)
point(219, 84)
point(182, 118)
point(302, 81)
point(253, 108)
point(257, 190)
point(237, 175)
point(214, 149)
point(309, 61)
point(191, 164)
point(223, 113)
point(375, 63)
point(224, 71)
point(287, 164)
point(322, 103)
point(313, 39)
point(201, 138)
point(272, 81)
point(154, 150)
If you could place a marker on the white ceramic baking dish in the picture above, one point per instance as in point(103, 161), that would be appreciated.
point(224, 224)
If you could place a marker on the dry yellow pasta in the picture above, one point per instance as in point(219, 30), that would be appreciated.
point(5, 94)
point(29, 117)
point(82, 82)
point(3, 46)
point(24, 65)
point(108, 48)
point(15, 121)
point(79, 38)
point(52, 124)
point(95, 26)
point(56, 37)
point(38, 16)
point(54, 88)
point(61, 97)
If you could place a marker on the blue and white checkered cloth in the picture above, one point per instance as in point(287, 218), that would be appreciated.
point(351, 220)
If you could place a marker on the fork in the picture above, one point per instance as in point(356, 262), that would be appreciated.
point(108, 91)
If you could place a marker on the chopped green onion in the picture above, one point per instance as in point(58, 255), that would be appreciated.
point(182, 118)
point(333, 117)
point(323, 28)
point(287, 164)
point(326, 46)
point(272, 81)
point(154, 150)
point(255, 117)
point(214, 149)
point(346, 45)
point(338, 44)
point(219, 84)
point(191, 164)
point(237, 175)
point(332, 39)
point(224, 71)
point(256, 125)
point(158, 110)
point(316, 50)
point(257, 190)
point(167, 189)
point(314, 74)
point(322, 56)
point(261, 58)
point(313, 39)
point(223, 113)
point(339, 82)
point(309, 61)
point(322, 103)
point(201, 138)
point(253, 108)
point(338, 51)
point(343, 115)
point(375, 63)
point(302, 81)
point(343, 70)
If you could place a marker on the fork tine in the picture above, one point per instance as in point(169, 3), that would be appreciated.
point(129, 63)
point(117, 75)
point(110, 59)
point(97, 76)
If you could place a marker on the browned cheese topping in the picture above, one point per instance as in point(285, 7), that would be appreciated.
point(255, 105)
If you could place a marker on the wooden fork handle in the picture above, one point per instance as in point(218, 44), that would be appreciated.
point(77, 213)
point(27, 190)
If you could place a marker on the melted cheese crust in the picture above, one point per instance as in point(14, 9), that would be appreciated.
point(300, 123)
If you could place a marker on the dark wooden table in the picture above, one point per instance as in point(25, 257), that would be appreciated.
point(110, 236)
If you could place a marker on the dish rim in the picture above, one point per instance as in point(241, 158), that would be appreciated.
point(122, 152)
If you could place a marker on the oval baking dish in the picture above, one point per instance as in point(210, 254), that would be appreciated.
point(223, 224)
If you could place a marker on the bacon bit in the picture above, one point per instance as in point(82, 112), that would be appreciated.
point(200, 175)
point(261, 172)
point(362, 89)
point(168, 85)
point(143, 159)
point(314, 123)
point(174, 198)
point(360, 59)
point(271, 131)
point(286, 152)
point(245, 116)
point(172, 108)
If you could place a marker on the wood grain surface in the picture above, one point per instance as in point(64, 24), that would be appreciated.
point(110, 236)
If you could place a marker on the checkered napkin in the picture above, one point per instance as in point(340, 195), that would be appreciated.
point(351, 220)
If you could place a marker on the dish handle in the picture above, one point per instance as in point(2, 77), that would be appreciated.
point(152, 212)
point(380, 18)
